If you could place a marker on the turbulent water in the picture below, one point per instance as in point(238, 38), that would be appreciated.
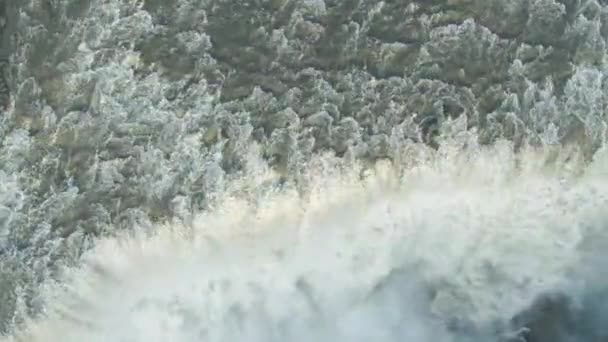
point(449, 249)
point(303, 171)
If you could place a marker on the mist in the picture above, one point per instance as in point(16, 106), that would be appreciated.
point(467, 243)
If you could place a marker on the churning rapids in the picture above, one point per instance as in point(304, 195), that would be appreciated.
point(118, 114)
point(451, 245)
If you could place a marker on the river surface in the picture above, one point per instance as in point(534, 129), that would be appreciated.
point(303, 171)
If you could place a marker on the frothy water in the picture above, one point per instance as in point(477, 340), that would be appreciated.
point(444, 245)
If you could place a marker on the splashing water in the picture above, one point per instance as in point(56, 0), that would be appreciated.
point(463, 243)
point(448, 245)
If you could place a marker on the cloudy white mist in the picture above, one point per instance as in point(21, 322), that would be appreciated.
point(449, 248)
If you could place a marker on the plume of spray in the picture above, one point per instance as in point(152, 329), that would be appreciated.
point(451, 244)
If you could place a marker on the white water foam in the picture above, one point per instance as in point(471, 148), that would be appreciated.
point(462, 234)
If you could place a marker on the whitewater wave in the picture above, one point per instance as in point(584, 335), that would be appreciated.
point(446, 245)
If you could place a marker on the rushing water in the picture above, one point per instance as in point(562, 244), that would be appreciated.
point(148, 194)
point(449, 250)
